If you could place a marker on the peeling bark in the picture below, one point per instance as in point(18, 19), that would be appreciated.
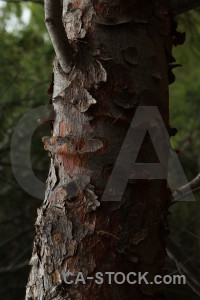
point(123, 52)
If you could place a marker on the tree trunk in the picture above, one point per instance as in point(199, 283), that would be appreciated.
point(123, 56)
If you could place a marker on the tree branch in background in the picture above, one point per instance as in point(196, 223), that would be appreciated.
point(182, 6)
point(11, 220)
point(189, 270)
point(11, 269)
point(191, 187)
point(16, 236)
point(53, 20)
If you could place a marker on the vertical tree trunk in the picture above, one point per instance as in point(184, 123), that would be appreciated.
point(122, 54)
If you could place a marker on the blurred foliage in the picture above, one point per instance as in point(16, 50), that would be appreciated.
point(185, 97)
point(185, 116)
point(26, 57)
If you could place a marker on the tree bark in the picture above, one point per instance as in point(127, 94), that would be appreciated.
point(123, 59)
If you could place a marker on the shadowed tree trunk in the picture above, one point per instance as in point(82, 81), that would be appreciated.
point(118, 56)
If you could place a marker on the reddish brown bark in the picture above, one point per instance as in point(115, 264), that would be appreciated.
point(122, 56)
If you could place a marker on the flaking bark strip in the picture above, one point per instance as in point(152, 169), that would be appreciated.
point(91, 110)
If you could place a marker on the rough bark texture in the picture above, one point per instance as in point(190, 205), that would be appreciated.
point(123, 60)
